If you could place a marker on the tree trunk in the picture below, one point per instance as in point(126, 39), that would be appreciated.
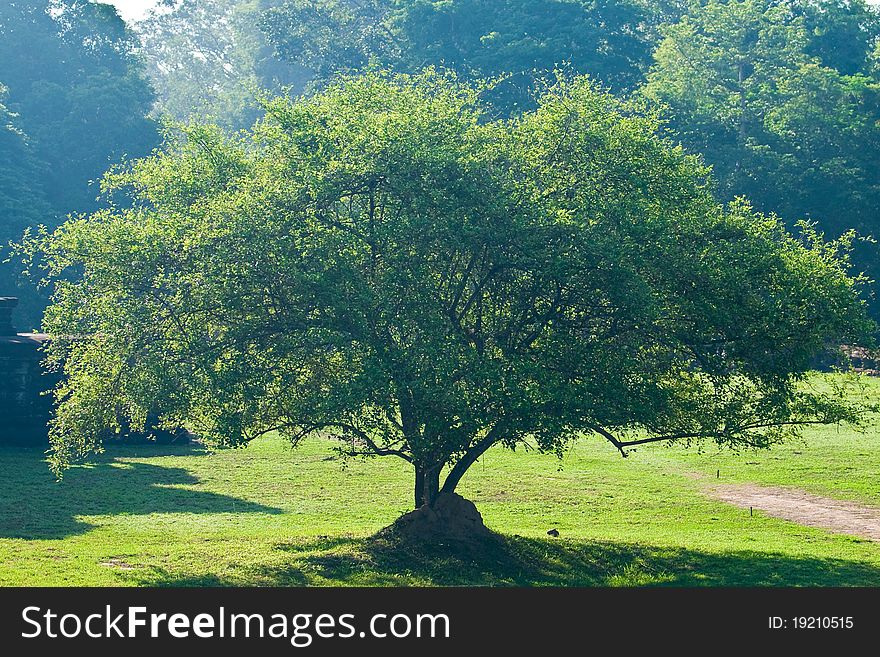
point(427, 485)
point(420, 487)
point(442, 512)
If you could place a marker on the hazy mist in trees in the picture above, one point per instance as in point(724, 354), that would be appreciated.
point(780, 97)
point(75, 103)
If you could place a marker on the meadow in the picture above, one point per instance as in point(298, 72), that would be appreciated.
point(272, 515)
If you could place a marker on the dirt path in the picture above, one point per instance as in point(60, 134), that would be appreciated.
point(803, 508)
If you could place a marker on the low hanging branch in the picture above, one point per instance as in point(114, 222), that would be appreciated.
point(739, 432)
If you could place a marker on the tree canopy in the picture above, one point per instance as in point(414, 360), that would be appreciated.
point(779, 96)
point(842, 34)
point(77, 87)
point(22, 200)
point(384, 263)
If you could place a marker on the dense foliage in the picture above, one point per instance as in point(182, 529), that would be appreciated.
point(78, 90)
point(21, 198)
point(521, 40)
point(385, 263)
point(779, 96)
point(778, 99)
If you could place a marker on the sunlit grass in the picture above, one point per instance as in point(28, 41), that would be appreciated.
point(269, 514)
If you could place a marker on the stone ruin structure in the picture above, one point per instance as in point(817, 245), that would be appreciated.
point(24, 408)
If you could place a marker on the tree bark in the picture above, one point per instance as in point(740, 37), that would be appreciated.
point(420, 486)
point(427, 485)
point(432, 484)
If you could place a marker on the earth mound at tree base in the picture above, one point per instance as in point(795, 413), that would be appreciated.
point(451, 516)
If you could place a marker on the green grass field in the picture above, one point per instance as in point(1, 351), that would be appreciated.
point(272, 515)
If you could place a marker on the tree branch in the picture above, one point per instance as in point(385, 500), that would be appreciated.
point(621, 445)
point(469, 458)
point(370, 443)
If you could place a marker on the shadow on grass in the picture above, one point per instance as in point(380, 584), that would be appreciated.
point(516, 561)
point(33, 505)
point(155, 576)
point(147, 450)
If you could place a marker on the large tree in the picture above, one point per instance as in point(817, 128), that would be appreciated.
point(841, 33)
point(78, 88)
point(384, 264)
